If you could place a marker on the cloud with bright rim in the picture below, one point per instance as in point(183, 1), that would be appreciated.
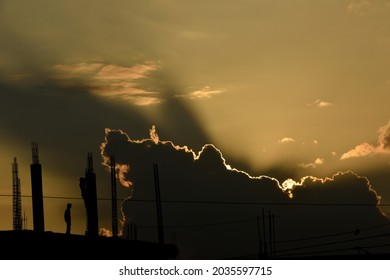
point(207, 203)
point(286, 140)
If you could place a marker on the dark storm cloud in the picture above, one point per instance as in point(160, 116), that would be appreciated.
point(210, 209)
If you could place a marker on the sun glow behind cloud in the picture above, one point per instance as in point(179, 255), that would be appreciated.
point(298, 80)
point(199, 182)
point(286, 186)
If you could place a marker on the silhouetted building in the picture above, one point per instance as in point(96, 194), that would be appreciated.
point(60, 246)
point(88, 192)
point(16, 197)
point(36, 190)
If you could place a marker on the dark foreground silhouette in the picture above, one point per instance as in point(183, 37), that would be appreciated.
point(32, 245)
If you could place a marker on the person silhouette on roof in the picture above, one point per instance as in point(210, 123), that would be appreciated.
point(68, 218)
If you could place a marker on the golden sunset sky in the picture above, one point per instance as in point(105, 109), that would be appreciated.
point(283, 88)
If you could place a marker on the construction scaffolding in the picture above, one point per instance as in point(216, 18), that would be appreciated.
point(88, 192)
point(36, 190)
point(16, 197)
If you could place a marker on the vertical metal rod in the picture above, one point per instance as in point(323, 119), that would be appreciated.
point(264, 236)
point(114, 210)
point(270, 234)
point(158, 205)
point(261, 254)
point(273, 233)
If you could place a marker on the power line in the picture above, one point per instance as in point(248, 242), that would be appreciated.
point(335, 250)
point(203, 225)
point(253, 256)
point(261, 203)
point(356, 231)
point(334, 242)
point(220, 202)
point(314, 253)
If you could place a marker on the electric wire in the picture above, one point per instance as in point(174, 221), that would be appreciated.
point(217, 202)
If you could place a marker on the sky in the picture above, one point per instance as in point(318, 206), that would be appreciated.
point(282, 91)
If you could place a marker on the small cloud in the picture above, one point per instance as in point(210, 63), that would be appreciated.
point(366, 149)
point(109, 80)
point(334, 154)
point(206, 92)
point(361, 7)
point(315, 142)
point(361, 150)
point(120, 73)
point(320, 103)
point(286, 140)
point(143, 100)
point(317, 162)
